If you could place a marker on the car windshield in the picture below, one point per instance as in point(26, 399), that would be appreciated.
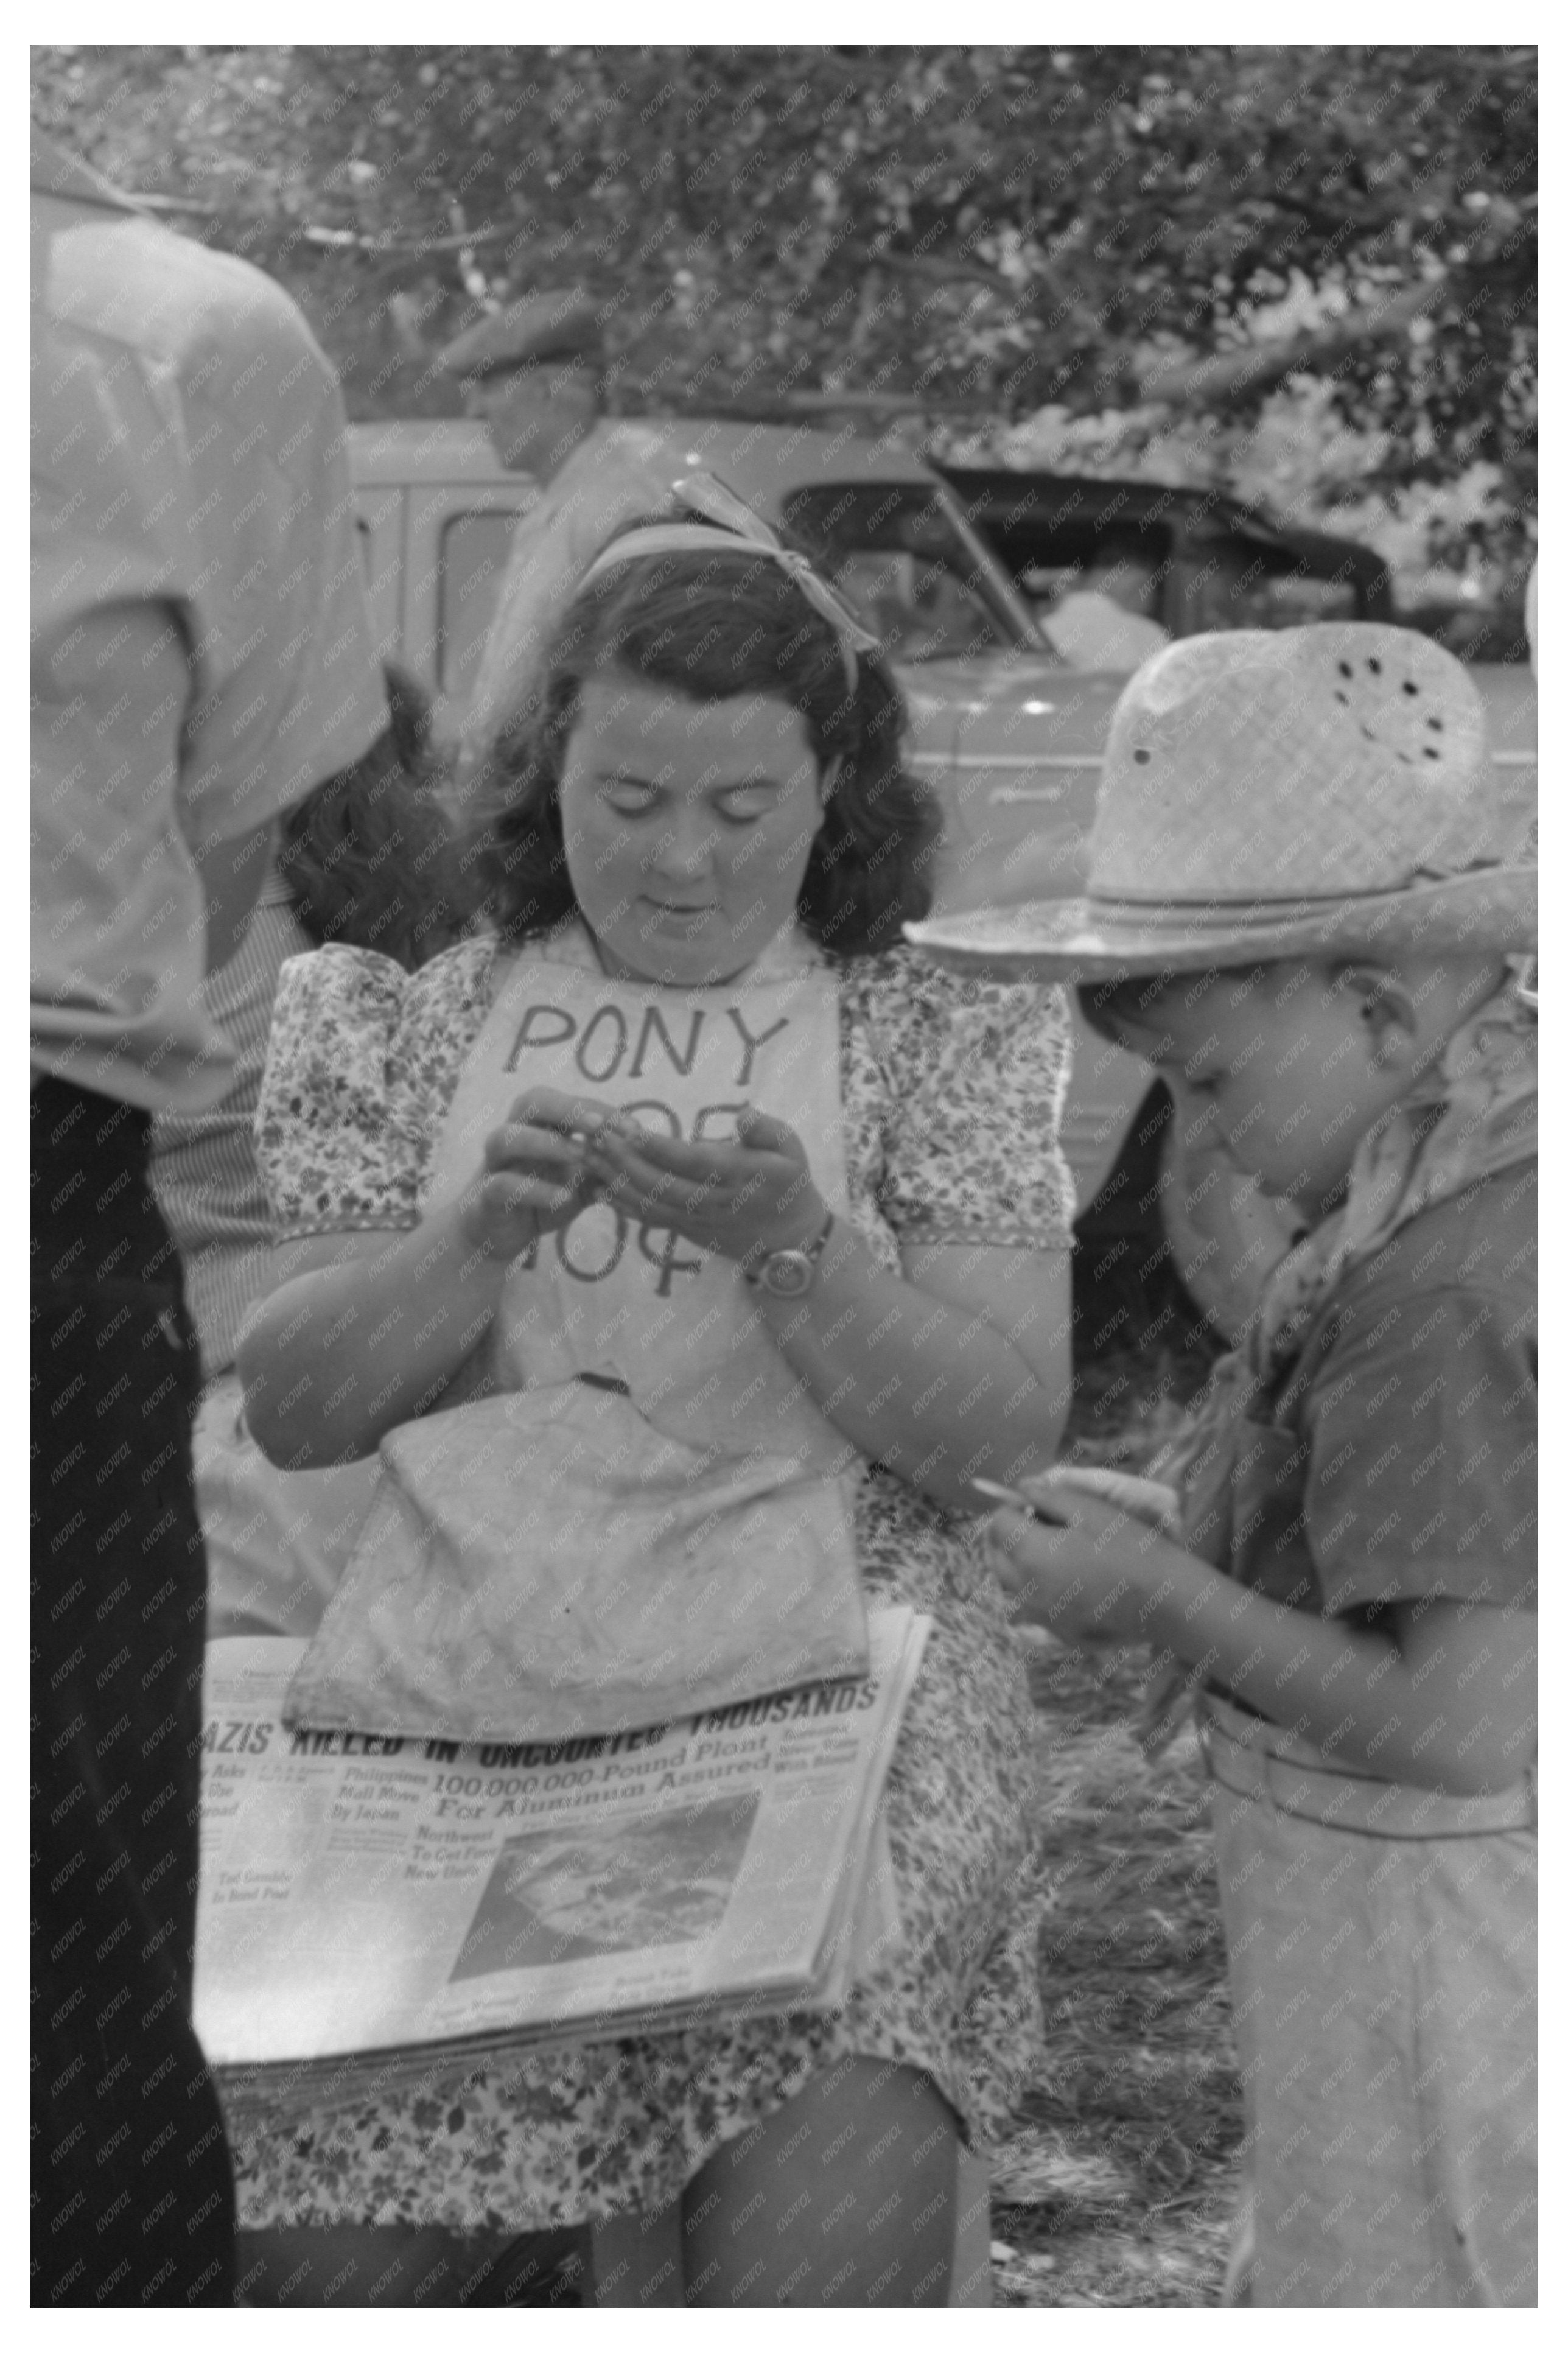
point(893, 553)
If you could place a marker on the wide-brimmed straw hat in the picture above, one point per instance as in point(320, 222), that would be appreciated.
point(1273, 793)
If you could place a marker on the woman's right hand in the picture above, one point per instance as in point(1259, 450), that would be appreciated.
point(535, 1177)
point(322, 1385)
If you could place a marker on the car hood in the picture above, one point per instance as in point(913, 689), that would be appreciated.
point(1011, 704)
point(1017, 702)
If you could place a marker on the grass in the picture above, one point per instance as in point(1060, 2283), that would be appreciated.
point(1119, 2188)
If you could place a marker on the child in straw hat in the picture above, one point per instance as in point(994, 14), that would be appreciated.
point(1298, 908)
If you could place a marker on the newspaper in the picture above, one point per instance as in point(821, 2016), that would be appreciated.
point(365, 1897)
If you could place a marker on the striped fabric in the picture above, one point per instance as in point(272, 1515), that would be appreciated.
point(204, 1169)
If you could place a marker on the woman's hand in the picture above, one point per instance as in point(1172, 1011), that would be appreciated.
point(742, 1201)
point(535, 1175)
point(1098, 1578)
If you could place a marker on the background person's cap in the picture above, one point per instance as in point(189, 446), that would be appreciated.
point(559, 325)
point(1268, 794)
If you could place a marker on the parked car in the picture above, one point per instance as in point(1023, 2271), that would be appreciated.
point(955, 574)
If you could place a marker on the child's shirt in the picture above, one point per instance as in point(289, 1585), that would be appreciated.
point(1399, 1460)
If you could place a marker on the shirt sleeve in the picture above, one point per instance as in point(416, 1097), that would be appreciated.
point(360, 1068)
point(288, 686)
point(972, 1076)
point(1422, 1431)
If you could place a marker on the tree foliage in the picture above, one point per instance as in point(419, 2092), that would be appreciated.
point(983, 230)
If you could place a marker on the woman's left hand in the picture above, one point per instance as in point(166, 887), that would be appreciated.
point(742, 1201)
point(1093, 1581)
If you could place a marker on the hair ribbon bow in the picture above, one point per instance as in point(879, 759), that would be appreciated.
point(726, 517)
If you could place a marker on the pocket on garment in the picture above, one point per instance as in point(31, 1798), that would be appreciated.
point(1269, 1515)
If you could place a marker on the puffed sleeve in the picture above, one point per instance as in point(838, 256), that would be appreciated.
point(970, 1077)
point(362, 1063)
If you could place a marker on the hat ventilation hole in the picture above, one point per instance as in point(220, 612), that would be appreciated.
point(1345, 669)
point(1375, 665)
point(1410, 687)
point(1143, 758)
point(1340, 695)
point(1436, 726)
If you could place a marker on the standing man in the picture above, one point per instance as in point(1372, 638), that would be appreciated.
point(201, 657)
point(535, 372)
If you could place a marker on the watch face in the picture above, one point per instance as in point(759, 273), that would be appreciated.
point(787, 1273)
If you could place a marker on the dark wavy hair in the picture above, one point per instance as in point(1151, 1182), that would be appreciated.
point(368, 858)
point(710, 626)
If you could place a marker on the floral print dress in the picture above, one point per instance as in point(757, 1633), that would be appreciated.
point(951, 1094)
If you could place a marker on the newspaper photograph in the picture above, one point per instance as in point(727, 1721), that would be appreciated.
point(366, 1893)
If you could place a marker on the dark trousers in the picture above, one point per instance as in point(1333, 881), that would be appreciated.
point(133, 2195)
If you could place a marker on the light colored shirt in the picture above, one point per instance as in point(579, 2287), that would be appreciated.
point(203, 1168)
point(1090, 631)
point(202, 654)
point(621, 473)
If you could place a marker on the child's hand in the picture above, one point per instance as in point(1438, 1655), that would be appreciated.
point(1089, 1581)
point(1151, 1500)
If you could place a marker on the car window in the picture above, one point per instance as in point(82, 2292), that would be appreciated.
point(892, 551)
point(1237, 584)
point(473, 559)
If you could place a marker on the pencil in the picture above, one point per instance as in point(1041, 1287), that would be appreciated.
point(1018, 1502)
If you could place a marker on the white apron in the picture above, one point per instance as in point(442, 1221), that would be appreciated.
point(653, 1515)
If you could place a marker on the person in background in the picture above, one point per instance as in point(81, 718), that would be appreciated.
point(201, 657)
point(1106, 619)
point(534, 371)
point(363, 862)
point(1303, 898)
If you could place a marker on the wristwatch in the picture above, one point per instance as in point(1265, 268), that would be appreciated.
point(789, 1272)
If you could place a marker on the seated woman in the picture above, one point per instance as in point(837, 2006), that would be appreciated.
point(359, 861)
point(587, 1145)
